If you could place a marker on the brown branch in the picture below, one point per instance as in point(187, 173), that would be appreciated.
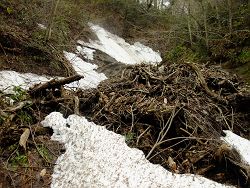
point(204, 84)
point(53, 84)
point(19, 106)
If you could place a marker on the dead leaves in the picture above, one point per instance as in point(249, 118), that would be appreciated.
point(172, 165)
point(24, 137)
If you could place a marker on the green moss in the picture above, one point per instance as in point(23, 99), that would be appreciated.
point(24, 117)
point(19, 160)
point(244, 71)
point(19, 94)
point(244, 56)
point(129, 137)
point(179, 53)
point(44, 152)
point(11, 148)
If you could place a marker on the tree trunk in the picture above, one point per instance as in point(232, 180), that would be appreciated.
point(230, 16)
point(50, 25)
point(155, 4)
point(217, 14)
point(189, 25)
point(204, 9)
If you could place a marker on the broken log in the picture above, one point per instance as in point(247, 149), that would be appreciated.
point(52, 84)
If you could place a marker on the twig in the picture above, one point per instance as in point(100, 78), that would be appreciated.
point(76, 108)
point(11, 155)
point(12, 180)
point(223, 117)
point(184, 139)
point(132, 121)
point(106, 106)
point(163, 132)
point(232, 120)
point(138, 139)
point(19, 106)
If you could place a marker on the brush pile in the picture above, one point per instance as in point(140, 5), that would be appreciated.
point(176, 114)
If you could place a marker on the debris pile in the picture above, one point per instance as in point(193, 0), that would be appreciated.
point(175, 114)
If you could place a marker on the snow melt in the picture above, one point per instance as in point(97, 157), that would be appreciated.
point(120, 50)
point(10, 79)
point(242, 145)
point(91, 77)
point(96, 157)
point(86, 52)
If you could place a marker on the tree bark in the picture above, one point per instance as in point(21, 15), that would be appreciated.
point(230, 16)
point(217, 14)
point(53, 84)
point(204, 9)
point(189, 25)
point(50, 25)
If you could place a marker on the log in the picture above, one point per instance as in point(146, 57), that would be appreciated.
point(52, 84)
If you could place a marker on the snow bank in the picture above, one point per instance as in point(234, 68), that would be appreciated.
point(96, 157)
point(9, 79)
point(91, 77)
point(242, 145)
point(86, 52)
point(120, 50)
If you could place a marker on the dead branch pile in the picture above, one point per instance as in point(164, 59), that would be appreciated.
point(174, 113)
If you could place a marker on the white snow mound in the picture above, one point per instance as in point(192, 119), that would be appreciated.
point(91, 77)
point(120, 50)
point(242, 145)
point(96, 157)
point(10, 79)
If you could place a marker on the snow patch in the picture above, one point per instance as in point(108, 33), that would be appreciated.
point(91, 77)
point(86, 52)
point(120, 50)
point(242, 145)
point(96, 157)
point(10, 79)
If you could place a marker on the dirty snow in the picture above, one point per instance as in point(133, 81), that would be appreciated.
point(86, 52)
point(9, 79)
point(96, 157)
point(242, 145)
point(120, 50)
